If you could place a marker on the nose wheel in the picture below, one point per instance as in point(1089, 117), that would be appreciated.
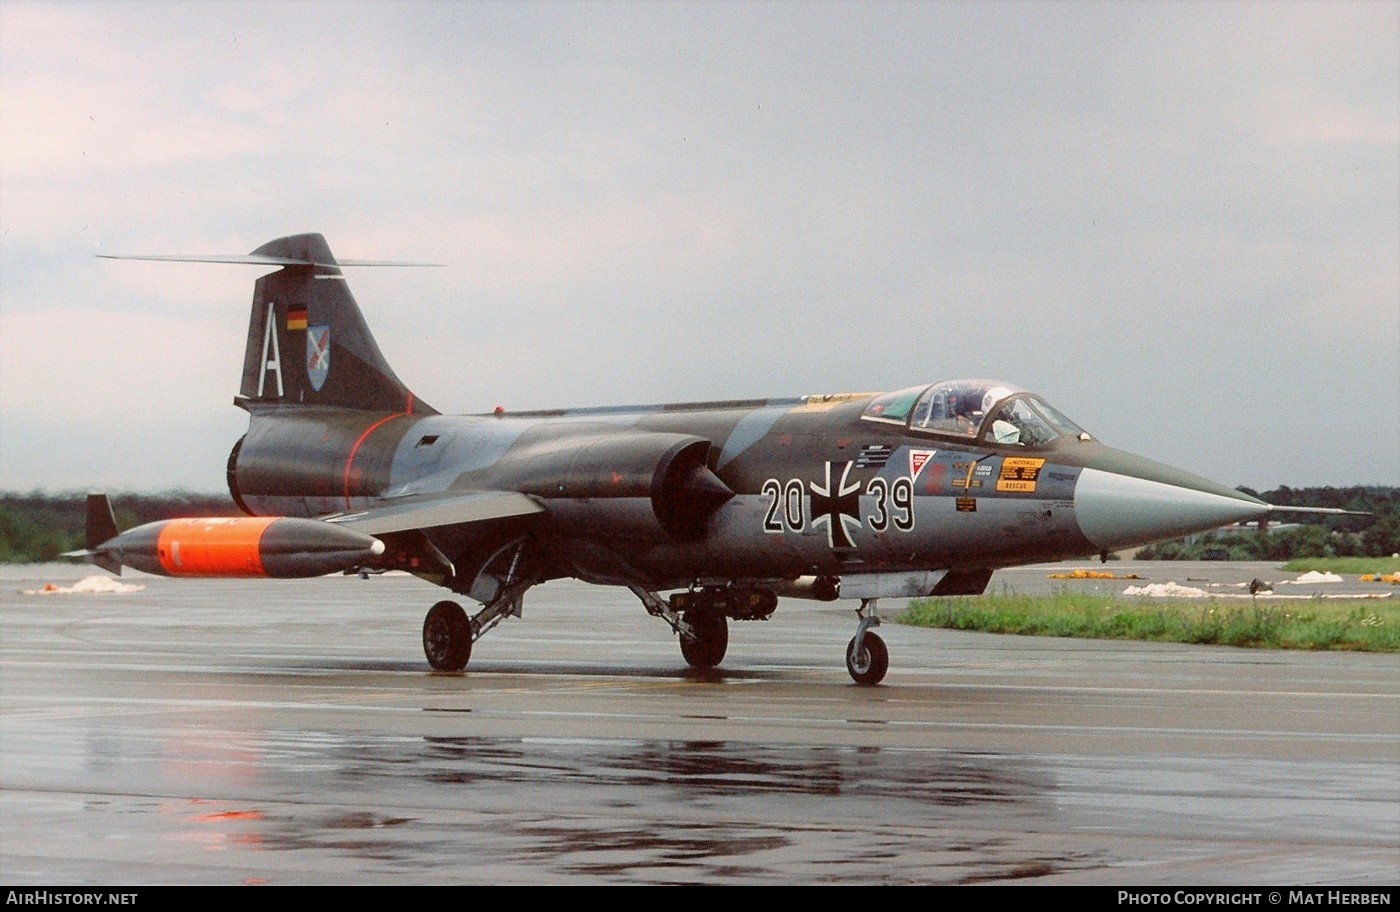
point(867, 657)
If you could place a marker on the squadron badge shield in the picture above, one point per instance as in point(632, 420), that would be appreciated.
point(318, 355)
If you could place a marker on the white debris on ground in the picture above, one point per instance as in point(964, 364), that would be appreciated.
point(1313, 576)
point(1172, 590)
point(1166, 590)
point(91, 585)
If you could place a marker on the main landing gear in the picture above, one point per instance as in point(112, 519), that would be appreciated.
point(448, 633)
point(447, 637)
point(867, 657)
point(702, 622)
point(705, 645)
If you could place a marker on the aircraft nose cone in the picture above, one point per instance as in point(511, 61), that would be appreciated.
point(1134, 501)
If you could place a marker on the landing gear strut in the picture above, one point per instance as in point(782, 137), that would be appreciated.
point(867, 657)
point(448, 634)
point(704, 631)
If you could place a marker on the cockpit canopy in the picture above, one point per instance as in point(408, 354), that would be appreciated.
point(990, 411)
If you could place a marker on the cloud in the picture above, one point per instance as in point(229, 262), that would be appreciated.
point(1166, 217)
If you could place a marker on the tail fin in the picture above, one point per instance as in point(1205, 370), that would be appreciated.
point(101, 528)
point(308, 343)
point(101, 521)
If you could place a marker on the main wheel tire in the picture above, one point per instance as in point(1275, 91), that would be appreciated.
point(869, 666)
point(447, 637)
point(706, 649)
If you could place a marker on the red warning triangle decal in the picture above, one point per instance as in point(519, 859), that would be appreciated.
point(917, 459)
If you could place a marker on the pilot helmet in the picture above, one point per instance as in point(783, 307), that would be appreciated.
point(993, 396)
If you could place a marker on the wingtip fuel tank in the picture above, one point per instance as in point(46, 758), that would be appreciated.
point(283, 547)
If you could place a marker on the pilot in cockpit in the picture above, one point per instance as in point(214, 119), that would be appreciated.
point(1003, 429)
point(963, 410)
point(1000, 413)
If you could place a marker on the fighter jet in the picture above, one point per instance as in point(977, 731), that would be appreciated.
point(708, 512)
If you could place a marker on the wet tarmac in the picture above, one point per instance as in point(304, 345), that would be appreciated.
point(291, 733)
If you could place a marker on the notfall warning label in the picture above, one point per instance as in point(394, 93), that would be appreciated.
point(1019, 474)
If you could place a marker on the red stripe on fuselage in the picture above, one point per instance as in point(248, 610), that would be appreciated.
point(350, 460)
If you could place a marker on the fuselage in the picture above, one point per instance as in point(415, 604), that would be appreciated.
point(826, 486)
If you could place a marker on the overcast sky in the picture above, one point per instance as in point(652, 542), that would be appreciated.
point(1178, 222)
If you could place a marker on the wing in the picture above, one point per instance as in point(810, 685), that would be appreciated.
point(431, 511)
point(403, 523)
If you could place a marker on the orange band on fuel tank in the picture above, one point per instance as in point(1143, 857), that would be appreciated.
point(213, 547)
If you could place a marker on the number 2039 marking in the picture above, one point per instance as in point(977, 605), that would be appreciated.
point(787, 505)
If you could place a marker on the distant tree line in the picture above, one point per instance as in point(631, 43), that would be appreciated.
point(1312, 536)
point(40, 527)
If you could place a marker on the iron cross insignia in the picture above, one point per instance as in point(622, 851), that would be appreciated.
point(836, 506)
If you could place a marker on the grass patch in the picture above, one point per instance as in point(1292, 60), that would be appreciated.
point(1345, 565)
point(1369, 626)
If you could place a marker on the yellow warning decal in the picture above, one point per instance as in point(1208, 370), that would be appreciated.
point(966, 504)
point(1020, 467)
point(1019, 474)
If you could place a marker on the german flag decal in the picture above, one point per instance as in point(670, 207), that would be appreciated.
point(296, 319)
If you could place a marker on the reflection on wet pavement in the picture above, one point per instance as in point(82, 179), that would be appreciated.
point(285, 806)
point(228, 734)
point(543, 810)
point(691, 770)
point(667, 812)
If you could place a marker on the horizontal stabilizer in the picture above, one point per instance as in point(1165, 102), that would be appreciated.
point(437, 510)
point(255, 259)
point(97, 558)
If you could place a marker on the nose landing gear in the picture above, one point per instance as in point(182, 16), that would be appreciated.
point(867, 657)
